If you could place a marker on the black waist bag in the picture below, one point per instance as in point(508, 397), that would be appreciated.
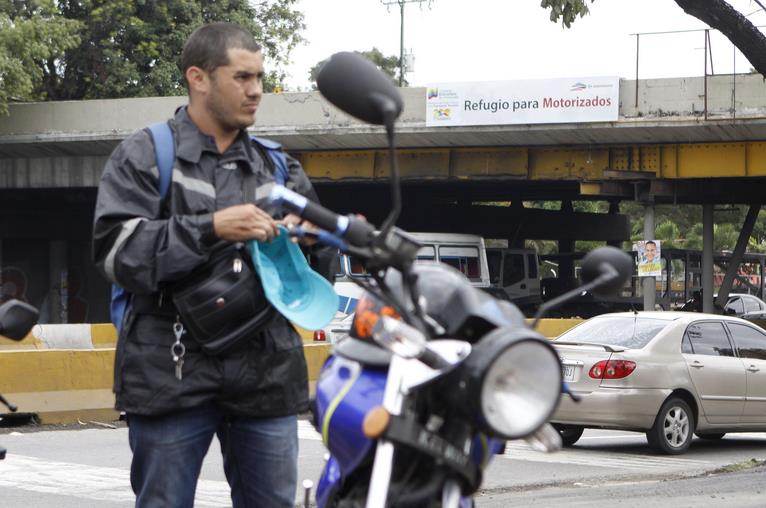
point(222, 303)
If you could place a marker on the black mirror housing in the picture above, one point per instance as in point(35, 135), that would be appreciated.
point(609, 264)
point(356, 86)
point(16, 319)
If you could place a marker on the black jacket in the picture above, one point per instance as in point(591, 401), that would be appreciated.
point(144, 243)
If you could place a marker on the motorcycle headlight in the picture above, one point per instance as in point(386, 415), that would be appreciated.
point(512, 382)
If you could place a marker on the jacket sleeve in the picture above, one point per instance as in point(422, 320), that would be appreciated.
point(298, 181)
point(322, 259)
point(132, 246)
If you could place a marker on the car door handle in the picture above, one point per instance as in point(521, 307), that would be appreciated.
point(697, 364)
point(753, 368)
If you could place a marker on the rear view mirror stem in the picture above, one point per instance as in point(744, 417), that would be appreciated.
point(608, 274)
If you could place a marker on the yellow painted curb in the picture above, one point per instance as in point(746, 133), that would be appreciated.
point(67, 385)
point(552, 328)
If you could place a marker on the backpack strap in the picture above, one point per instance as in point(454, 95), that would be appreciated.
point(164, 152)
point(278, 158)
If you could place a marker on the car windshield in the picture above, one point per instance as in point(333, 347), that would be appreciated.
point(628, 332)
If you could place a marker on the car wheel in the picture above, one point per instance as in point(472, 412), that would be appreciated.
point(715, 436)
point(673, 428)
point(569, 433)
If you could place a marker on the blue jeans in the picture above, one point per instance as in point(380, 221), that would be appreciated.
point(259, 457)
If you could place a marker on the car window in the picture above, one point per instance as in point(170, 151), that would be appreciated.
point(735, 305)
point(513, 269)
point(629, 332)
point(465, 259)
point(427, 253)
point(751, 343)
point(493, 263)
point(751, 305)
point(356, 267)
point(708, 338)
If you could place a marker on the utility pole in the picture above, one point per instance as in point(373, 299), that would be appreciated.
point(401, 4)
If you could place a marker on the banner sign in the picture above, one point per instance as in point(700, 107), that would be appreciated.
point(572, 100)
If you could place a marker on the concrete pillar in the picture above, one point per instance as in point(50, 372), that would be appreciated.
point(648, 284)
point(57, 294)
point(707, 258)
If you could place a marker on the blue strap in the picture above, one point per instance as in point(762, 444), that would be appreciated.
point(165, 153)
point(277, 156)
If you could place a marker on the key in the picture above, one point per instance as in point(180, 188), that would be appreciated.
point(179, 369)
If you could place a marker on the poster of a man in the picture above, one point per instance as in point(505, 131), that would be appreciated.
point(649, 264)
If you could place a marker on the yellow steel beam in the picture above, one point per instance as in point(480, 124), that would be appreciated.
point(672, 161)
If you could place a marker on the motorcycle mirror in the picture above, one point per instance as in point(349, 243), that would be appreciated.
point(609, 268)
point(16, 319)
point(356, 86)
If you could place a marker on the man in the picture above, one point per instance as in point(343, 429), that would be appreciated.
point(650, 251)
point(247, 396)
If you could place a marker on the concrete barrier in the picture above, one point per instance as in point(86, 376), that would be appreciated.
point(64, 373)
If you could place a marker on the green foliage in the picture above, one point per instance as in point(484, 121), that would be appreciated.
point(669, 232)
point(566, 10)
point(32, 34)
point(96, 49)
point(677, 226)
point(388, 64)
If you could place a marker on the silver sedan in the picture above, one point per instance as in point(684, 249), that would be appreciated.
point(668, 374)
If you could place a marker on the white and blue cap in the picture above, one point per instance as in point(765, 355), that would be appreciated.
point(293, 288)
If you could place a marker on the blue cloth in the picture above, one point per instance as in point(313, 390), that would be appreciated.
point(293, 288)
point(259, 457)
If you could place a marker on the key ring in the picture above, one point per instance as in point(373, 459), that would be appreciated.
point(178, 350)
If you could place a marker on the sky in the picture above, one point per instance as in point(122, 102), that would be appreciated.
point(498, 40)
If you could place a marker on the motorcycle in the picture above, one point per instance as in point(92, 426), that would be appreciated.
point(436, 375)
point(16, 319)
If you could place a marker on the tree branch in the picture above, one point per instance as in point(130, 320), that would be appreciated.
point(736, 27)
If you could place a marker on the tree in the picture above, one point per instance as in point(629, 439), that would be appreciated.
point(36, 33)
point(717, 14)
point(132, 48)
point(388, 64)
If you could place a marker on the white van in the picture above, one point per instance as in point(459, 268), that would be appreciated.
point(465, 252)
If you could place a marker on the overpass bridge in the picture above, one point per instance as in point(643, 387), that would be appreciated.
point(687, 140)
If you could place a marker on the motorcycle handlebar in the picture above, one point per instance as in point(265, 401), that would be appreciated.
point(355, 231)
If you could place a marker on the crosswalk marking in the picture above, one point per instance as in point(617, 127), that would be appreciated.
point(307, 431)
point(521, 451)
point(518, 450)
point(90, 482)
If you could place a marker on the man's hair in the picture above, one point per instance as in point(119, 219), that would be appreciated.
point(650, 242)
point(208, 45)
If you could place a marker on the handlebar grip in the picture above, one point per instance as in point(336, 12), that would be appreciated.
point(356, 231)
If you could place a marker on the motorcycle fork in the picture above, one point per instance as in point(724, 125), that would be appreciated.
point(396, 391)
point(382, 467)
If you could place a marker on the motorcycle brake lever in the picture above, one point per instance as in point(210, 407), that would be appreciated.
point(320, 236)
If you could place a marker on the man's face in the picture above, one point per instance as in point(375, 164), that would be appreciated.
point(650, 251)
point(236, 89)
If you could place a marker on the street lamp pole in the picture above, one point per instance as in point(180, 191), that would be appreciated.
point(401, 4)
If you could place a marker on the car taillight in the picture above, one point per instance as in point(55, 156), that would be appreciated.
point(319, 336)
point(612, 369)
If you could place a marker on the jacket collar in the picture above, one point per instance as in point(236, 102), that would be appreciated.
point(191, 142)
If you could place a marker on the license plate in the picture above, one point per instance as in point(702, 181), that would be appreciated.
point(568, 372)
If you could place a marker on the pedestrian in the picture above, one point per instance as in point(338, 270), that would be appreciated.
point(176, 397)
